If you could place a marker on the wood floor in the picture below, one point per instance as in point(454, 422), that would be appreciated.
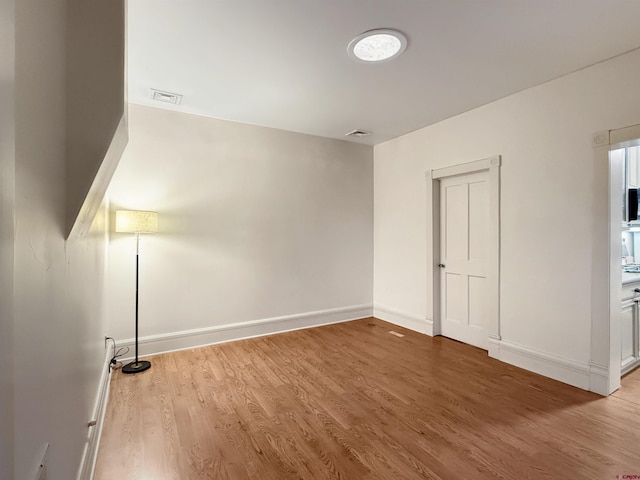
point(630, 390)
point(351, 401)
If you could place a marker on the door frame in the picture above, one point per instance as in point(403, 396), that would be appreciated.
point(492, 166)
point(606, 304)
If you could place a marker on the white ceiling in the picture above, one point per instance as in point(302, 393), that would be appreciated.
point(283, 63)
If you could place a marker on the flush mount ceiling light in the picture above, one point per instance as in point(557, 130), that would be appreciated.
point(375, 46)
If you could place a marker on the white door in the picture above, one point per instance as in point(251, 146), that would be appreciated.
point(464, 237)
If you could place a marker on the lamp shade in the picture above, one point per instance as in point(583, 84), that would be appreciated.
point(136, 221)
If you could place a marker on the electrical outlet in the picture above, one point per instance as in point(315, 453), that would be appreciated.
point(39, 470)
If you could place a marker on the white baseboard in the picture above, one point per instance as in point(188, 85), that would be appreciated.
point(169, 342)
point(599, 379)
point(404, 319)
point(90, 454)
point(552, 366)
point(494, 348)
point(581, 375)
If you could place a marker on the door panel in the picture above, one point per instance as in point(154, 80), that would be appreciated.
point(456, 210)
point(464, 231)
point(478, 221)
point(455, 285)
point(478, 302)
point(627, 332)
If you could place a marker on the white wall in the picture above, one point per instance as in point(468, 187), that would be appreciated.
point(95, 91)
point(544, 135)
point(58, 287)
point(7, 181)
point(255, 223)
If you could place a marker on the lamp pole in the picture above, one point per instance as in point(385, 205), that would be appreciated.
point(137, 365)
point(136, 221)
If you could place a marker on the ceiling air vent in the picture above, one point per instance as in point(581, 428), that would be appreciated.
point(357, 133)
point(166, 97)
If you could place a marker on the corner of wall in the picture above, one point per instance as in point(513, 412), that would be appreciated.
point(79, 225)
point(404, 319)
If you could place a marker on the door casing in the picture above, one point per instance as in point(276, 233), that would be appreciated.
point(606, 334)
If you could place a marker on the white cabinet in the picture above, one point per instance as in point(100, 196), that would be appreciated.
point(630, 329)
point(629, 312)
point(633, 167)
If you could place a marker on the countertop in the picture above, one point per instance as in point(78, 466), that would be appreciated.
point(628, 277)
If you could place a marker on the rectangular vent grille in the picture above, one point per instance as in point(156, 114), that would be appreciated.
point(166, 97)
point(357, 133)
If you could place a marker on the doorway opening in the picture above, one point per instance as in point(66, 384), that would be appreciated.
point(624, 255)
point(613, 299)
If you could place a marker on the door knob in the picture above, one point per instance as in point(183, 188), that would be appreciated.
point(441, 265)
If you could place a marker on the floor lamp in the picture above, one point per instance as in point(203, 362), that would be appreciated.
point(136, 221)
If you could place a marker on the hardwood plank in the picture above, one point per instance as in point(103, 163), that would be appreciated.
point(350, 401)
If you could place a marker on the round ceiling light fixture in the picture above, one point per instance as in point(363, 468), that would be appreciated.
point(375, 46)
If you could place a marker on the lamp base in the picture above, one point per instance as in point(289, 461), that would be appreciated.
point(136, 367)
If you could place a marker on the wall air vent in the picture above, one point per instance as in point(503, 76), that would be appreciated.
point(357, 133)
point(166, 97)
